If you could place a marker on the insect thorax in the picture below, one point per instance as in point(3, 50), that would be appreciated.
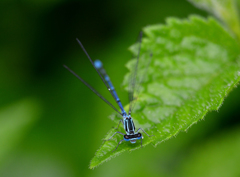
point(129, 125)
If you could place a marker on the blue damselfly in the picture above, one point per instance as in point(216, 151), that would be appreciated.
point(132, 134)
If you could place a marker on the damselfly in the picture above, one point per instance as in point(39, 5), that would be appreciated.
point(132, 134)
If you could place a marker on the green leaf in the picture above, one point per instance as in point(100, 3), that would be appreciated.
point(195, 64)
point(225, 10)
point(15, 120)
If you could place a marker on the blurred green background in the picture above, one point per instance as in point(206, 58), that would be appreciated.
point(51, 124)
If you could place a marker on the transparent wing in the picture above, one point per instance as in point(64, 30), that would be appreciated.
point(140, 80)
point(135, 79)
point(91, 88)
point(107, 83)
point(84, 50)
point(133, 76)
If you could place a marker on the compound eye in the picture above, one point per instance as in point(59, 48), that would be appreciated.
point(126, 137)
point(139, 135)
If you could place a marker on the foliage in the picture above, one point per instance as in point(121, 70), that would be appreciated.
point(57, 131)
point(195, 64)
point(225, 10)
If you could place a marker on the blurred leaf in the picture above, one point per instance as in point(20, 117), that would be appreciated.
point(219, 157)
point(195, 64)
point(14, 121)
point(225, 10)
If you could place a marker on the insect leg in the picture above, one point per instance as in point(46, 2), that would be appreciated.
point(114, 134)
point(144, 132)
point(118, 124)
point(118, 144)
